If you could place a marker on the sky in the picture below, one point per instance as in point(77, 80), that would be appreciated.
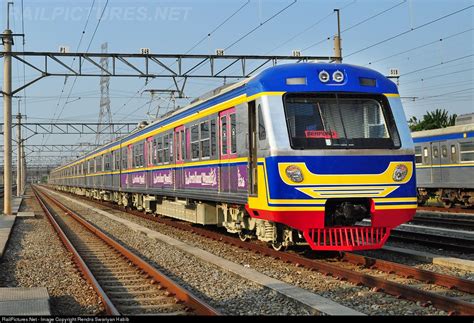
point(430, 42)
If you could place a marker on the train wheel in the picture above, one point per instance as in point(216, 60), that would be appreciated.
point(243, 236)
point(447, 204)
point(278, 246)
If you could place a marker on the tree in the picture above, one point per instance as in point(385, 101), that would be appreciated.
point(432, 120)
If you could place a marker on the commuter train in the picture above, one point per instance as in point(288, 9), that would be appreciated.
point(445, 164)
point(298, 154)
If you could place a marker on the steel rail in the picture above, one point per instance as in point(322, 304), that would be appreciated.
point(447, 281)
point(451, 305)
point(199, 306)
point(109, 307)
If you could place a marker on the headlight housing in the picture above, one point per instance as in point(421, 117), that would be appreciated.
point(400, 173)
point(324, 76)
point(294, 173)
point(338, 76)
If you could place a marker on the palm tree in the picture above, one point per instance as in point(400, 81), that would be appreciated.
point(432, 120)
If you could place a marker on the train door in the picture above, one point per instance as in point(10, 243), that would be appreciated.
point(444, 160)
point(180, 152)
point(252, 146)
point(228, 149)
point(436, 162)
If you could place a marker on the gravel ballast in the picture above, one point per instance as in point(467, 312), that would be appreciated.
point(36, 257)
point(359, 298)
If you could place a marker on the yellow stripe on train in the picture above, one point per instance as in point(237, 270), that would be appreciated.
point(345, 179)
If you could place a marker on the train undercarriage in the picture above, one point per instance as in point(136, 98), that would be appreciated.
point(234, 218)
point(449, 197)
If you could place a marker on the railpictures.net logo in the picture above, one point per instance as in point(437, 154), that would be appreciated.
point(56, 11)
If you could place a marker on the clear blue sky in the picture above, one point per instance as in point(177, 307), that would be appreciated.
point(175, 26)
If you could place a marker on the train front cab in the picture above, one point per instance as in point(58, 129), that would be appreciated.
point(334, 160)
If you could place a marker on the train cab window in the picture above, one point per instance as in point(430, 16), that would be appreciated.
point(418, 159)
point(262, 134)
point(466, 151)
point(337, 120)
point(453, 154)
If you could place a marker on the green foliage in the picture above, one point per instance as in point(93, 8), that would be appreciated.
point(432, 120)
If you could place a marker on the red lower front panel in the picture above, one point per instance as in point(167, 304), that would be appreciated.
point(311, 223)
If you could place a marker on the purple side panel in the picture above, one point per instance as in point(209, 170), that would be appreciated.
point(224, 178)
point(201, 177)
point(162, 178)
point(239, 178)
point(124, 180)
point(137, 179)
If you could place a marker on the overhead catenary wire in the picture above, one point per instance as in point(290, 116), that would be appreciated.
point(356, 24)
point(409, 30)
point(431, 66)
point(259, 26)
point(421, 46)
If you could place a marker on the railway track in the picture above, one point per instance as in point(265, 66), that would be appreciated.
point(445, 220)
point(126, 284)
point(446, 210)
point(445, 292)
point(455, 242)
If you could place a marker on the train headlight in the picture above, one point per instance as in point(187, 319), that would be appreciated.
point(338, 76)
point(323, 76)
point(400, 173)
point(294, 173)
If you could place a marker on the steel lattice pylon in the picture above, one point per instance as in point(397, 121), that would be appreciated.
point(104, 114)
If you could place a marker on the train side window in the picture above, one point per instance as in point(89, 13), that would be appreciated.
point(453, 154)
point(466, 151)
point(224, 135)
point(435, 152)
point(233, 134)
point(418, 159)
point(262, 134)
point(159, 151)
point(205, 140)
point(168, 148)
point(195, 142)
point(425, 156)
point(130, 157)
point(444, 151)
point(213, 138)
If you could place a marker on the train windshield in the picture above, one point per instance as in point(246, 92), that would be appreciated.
point(331, 121)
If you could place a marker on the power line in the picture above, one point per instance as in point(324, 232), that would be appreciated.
point(356, 24)
point(439, 75)
point(410, 30)
point(421, 46)
point(302, 32)
point(444, 94)
point(189, 50)
point(260, 25)
point(219, 26)
point(442, 63)
point(88, 47)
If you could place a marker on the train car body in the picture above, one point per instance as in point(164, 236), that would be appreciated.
point(300, 153)
point(445, 164)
